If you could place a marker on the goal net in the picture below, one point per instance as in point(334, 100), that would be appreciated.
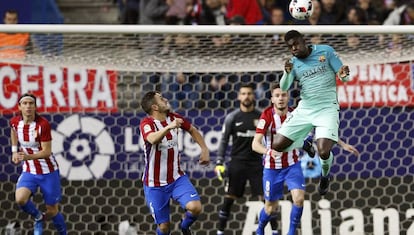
point(89, 80)
point(204, 48)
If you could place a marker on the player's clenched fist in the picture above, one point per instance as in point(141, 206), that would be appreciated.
point(288, 66)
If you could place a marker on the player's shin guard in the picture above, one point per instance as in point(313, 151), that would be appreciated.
point(326, 165)
point(188, 220)
point(295, 216)
point(59, 223)
point(31, 209)
point(225, 213)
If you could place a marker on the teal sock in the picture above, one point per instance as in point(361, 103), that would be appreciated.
point(295, 216)
point(326, 164)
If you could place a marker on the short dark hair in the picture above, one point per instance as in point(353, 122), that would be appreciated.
point(248, 85)
point(27, 95)
point(11, 11)
point(148, 100)
point(292, 34)
point(275, 85)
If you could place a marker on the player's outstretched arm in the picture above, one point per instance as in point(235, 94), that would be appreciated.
point(348, 147)
point(287, 77)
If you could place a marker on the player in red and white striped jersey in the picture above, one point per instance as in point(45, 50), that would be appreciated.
point(279, 168)
point(31, 140)
point(163, 178)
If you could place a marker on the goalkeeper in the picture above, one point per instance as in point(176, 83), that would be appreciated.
point(245, 164)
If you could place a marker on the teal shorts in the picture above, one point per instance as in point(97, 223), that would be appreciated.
point(302, 120)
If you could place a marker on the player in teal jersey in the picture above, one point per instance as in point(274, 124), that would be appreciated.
point(316, 67)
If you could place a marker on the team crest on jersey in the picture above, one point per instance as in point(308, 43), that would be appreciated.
point(322, 58)
point(147, 128)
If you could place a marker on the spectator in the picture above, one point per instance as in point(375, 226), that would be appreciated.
point(355, 16)
point(212, 13)
point(177, 12)
point(13, 45)
point(316, 15)
point(193, 12)
point(266, 7)
point(129, 11)
point(277, 16)
point(374, 11)
point(353, 43)
point(403, 15)
point(248, 9)
point(395, 46)
point(332, 12)
point(153, 11)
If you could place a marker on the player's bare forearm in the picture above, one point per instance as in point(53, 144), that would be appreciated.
point(156, 137)
point(287, 77)
point(257, 145)
point(44, 153)
point(198, 138)
point(348, 147)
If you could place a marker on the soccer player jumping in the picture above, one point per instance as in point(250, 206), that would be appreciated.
point(316, 68)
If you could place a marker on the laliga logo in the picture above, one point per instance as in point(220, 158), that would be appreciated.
point(82, 147)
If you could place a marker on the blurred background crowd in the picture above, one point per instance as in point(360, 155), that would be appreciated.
point(264, 12)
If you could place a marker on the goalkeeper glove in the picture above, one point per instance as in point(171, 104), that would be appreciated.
point(220, 169)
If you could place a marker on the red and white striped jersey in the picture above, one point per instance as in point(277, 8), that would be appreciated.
point(268, 125)
point(162, 160)
point(30, 137)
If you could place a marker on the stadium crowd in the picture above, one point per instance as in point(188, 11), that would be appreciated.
point(264, 12)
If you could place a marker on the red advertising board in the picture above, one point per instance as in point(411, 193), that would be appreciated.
point(58, 89)
point(378, 85)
